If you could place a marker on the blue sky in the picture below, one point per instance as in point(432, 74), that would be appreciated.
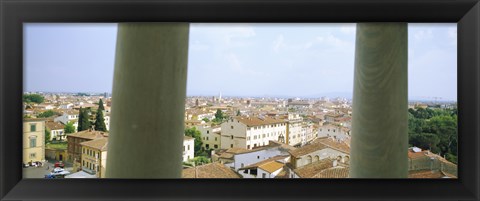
point(297, 60)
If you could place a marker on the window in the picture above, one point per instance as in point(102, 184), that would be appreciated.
point(215, 146)
point(242, 165)
point(208, 132)
point(231, 145)
point(258, 157)
point(33, 127)
point(33, 155)
point(248, 146)
point(264, 175)
point(33, 142)
point(188, 148)
point(183, 147)
point(309, 159)
point(231, 127)
point(231, 137)
point(83, 163)
point(215, 138)
point(207, 138)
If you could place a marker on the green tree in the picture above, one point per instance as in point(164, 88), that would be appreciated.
point(83, 120)
point(425, 141)
point(35, 98)
point(238, 113)
point(69, 128)
point(100, 105)
point(80, 119)
point(47, 114)
point(206, 119)
point(201, 160)
point(100, 121)
point(193, 132)
point(47, 136)
point(219, 115)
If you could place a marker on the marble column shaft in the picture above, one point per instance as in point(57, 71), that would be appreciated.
point(148, 101)
point(380, 101)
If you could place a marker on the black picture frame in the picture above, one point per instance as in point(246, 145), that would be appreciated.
point(13, 13)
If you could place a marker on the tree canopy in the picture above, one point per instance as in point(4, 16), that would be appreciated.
point(193, 132)
point(47, 114)
point(100, 105)
point(33, 98)
point(83, 120)
point(434, 129)
point(100, 121)
point(69, 128)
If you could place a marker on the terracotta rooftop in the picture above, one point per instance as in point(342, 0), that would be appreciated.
point(307, 149)
point(271, 166)
point(256, 121)
point(423, 174)
point(334, 144)
point(100, 144)
point(211, 170)
point(89, 134)
point(310, 170)
point(265, 163)
point(34, 119)
point(333, 172)
point(54, 125)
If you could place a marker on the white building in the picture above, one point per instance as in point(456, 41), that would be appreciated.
point(188, 148)
point(66, 106)
point(250, 132)
point(333, 130)
point(107, 121)
point(67, 116)
point(237, 158)
point(294, 130)
point(268, 168)
point(56, 130)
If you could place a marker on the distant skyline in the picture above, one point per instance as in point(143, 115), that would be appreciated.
point(288, 60)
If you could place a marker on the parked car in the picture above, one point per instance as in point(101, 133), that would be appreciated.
point(59, 164)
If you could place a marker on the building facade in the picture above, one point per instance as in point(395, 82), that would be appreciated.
point(33, 140)
point(94, 156)
point(210, 136)
point(188, 148)
point(251, 132)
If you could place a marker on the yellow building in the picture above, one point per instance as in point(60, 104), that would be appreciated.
point(33, 140)
point(94, 156)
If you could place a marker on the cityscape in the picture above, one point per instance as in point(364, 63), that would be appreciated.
point(225, 137)
point(263, 101)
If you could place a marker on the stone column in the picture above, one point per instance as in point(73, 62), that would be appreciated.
point(380, 102)
point(148, 101)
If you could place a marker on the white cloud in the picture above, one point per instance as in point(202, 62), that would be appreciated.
point(234, 63)
point(330, 41)
point(423, 34)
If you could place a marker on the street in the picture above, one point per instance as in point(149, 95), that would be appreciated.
point(40, 172)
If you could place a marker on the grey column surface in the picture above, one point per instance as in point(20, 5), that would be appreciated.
point(148, 101)
point(379, 142)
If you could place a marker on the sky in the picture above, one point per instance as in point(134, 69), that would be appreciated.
point(288, 60)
